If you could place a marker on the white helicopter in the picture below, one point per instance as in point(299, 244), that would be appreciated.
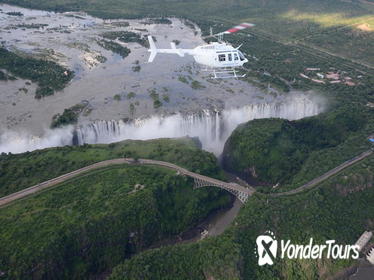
point(220, 57)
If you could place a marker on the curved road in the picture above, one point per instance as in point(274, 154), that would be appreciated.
point(52, 182)
point(248, 190)
point(325, 176)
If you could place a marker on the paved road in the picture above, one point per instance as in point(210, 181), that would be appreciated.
point(325, 176)
point(47, 184)
point(233, 186)
point(52, 182)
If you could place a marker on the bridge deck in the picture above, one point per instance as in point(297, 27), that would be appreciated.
point(52, 182)
point(237, 189)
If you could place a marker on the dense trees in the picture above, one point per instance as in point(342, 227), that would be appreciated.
point(213, 258)
point(275, 150)
point(114, 47)
point(19, 171)
point(86, 226)
point(290, 152)
point(89, 224)
point(341, 209)
point(69, 116)
point(48, 75)
point(126, 37)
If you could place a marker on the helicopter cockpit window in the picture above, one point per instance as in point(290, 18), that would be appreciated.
point(222, 57)
point(230, 56)
point(236, 56)
point(241, 55)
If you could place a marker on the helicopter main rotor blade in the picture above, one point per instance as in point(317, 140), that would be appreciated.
point(239, 27)
point(234, 29)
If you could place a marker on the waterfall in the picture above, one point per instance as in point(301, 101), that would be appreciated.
point(20, 142)
point(212, 127)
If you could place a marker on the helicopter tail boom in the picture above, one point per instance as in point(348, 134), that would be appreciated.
point(173, 50)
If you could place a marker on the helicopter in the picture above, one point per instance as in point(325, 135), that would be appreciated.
point(219, 57)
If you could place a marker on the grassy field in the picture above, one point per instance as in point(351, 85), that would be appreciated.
point(24, 170)
point(340, 209)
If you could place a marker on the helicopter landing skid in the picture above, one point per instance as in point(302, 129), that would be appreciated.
point(225, 73)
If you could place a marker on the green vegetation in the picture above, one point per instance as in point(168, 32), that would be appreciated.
point(120, 23)
point(25, 90)
point(280, 65)
point(49, 76)
point(18, 14)
point(275, 150)
point(132, 109)
point(157, 103)
point(276, 43)
point(136, 68)
point(289, 37)
point(321, 213)
point(88, 225)
point(131, 95)
point(69, 116)
point(6, 77)
point(126, 37)
point(213, 258)
point(157, 21)
point(32, 25)
point(114, 47)
point(183, 79)
point(324, 24)
point(101, 59)
point(20, 171)
point(43, 91)
point(3, 76)
point(156, 99)
point(117, 97)
point(197, 85)
point(166, 98)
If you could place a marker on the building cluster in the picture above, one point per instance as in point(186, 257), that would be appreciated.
point(331, 77)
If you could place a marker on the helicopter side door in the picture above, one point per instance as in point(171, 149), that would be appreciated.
point(227, 59)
